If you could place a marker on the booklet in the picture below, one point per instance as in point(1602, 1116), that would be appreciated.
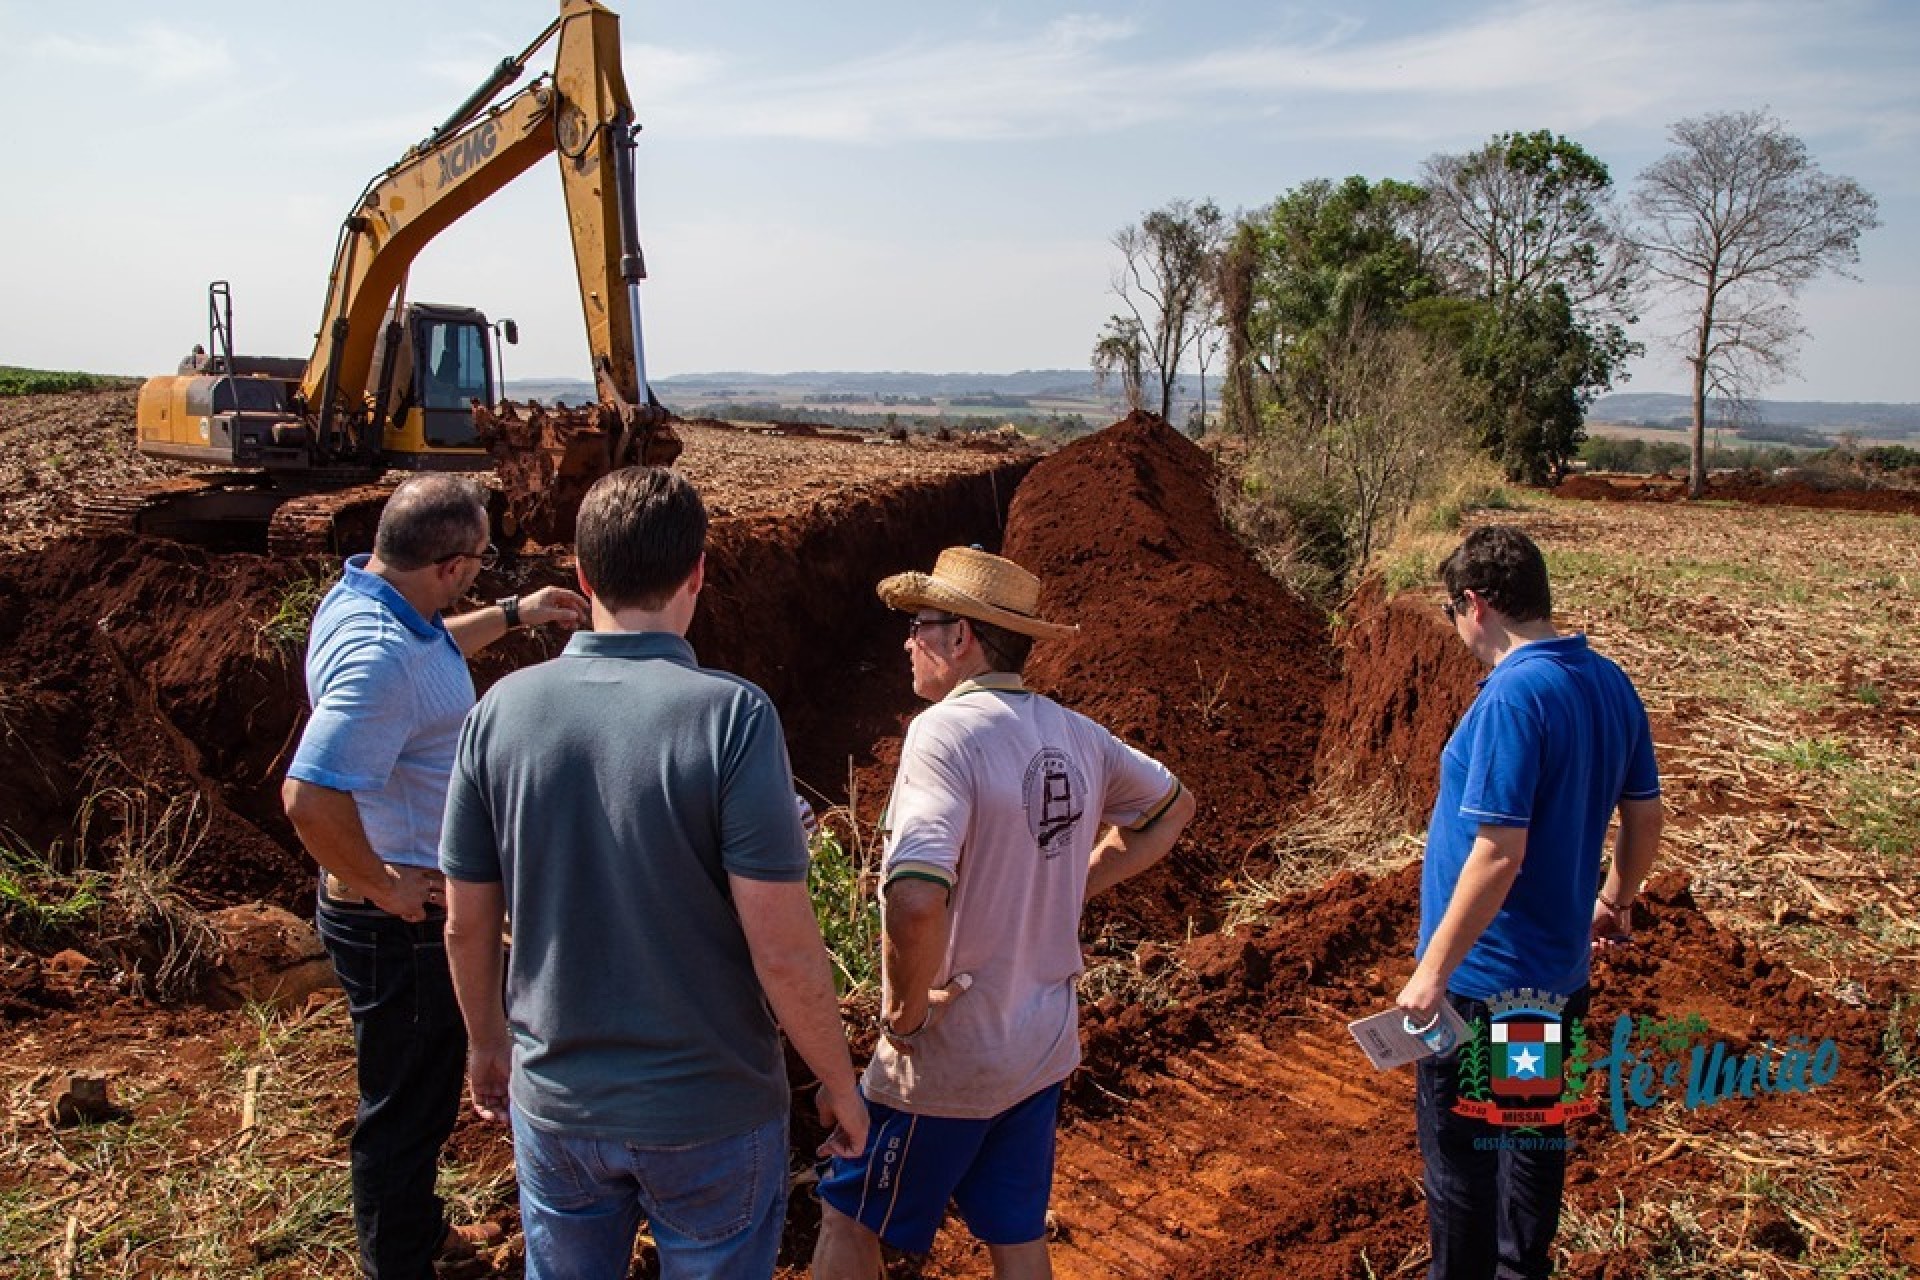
point(1384, 1037)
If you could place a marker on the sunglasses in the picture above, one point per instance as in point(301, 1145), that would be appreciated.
point(914, 625)
point(487, 558)
point(1454, 608)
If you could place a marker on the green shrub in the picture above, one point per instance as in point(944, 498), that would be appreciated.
point(848, 911)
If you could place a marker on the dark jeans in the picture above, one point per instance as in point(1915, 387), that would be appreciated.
point(1492, 1206)
point(410, 1049)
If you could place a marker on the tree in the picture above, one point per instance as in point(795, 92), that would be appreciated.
point(1298, 279)
point(1528, 211)
point(1737, 219)
point(1164, 279)
point(1537, 368)
point(1525, 228)
point(1121, 350)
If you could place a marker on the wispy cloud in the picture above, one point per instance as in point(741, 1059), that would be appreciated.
point(152, 53)
point(1510, 66)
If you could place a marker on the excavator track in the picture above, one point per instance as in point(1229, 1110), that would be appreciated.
point(243, 511)
point(207, 507)
point(330, 522)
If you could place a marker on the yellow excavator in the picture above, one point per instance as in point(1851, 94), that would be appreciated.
point(393, 384)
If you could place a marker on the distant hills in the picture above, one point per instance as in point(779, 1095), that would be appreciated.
point(1653, 409)
point(1049, 384)
point(1057, 388)
point(1065, 384)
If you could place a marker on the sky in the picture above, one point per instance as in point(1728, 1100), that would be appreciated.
point(875, 186)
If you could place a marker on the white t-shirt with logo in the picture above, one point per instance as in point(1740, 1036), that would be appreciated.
point(1002, 794)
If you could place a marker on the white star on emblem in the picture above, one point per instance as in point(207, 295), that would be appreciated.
point(1526, 1063)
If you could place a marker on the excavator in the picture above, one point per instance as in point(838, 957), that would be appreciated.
point(394, 385)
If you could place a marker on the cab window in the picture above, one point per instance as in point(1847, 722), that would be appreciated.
point(455, 369)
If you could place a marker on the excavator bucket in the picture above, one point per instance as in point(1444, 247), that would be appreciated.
point(547, 458)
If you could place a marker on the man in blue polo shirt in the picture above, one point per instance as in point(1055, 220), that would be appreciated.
point(388, 679)
point(1555, 742)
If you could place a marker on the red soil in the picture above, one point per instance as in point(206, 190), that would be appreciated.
point(1408, 680)
point(1750, 488)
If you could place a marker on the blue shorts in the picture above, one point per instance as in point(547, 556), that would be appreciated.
point(997, 1172)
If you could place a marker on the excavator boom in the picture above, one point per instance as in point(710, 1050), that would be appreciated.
point(392, 383)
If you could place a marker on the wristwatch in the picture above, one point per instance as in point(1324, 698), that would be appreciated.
point(510, 606)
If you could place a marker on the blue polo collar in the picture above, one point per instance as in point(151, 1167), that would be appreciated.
point(358, 580)
point(630, 644)
point(1559, 648)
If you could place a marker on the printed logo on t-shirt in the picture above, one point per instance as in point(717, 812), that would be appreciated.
point(1055, 796)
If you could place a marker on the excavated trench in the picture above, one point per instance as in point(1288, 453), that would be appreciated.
point(149, 667)
point(1223, 1125)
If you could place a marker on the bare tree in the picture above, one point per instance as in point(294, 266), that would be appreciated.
point(1738, 218)
point(1394, 409)
point(1525, 212)
point(1164, 280)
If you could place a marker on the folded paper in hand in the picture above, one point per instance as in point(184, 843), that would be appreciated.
point(1384, 1038)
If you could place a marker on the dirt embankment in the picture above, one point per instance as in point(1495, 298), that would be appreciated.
point(1406, 680)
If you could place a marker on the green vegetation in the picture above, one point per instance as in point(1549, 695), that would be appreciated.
point(845, 904)
point(39, 902)
point(286, 628)
point(1900, 1042)
point(1447, 514)
point(1812, 754)
point(33, 382)
point(1882, 811)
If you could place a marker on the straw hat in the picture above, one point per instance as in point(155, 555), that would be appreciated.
point(973, 584)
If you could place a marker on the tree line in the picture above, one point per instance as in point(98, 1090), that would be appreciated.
point(1370, 324)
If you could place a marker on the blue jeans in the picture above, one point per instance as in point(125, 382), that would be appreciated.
point(716, 1208)
point(1492, 1210)
point(410, 1053)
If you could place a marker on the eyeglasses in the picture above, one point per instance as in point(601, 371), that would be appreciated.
point(487, 558)
point(1454, 607)
point(914, 625)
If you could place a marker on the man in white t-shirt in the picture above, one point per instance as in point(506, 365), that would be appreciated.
point(1008, 812)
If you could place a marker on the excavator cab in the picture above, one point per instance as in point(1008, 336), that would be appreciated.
point(448, 366)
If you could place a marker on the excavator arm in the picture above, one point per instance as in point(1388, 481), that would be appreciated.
point(582, 113)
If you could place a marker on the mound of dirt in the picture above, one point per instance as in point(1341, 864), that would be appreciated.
point(1187, 648)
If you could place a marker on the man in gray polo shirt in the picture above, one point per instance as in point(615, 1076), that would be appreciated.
point(634, 814)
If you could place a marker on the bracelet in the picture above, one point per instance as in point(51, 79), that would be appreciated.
point(904, 1037)
point(1609, 903)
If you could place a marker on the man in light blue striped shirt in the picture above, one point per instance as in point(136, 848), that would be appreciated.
point(388, 679)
